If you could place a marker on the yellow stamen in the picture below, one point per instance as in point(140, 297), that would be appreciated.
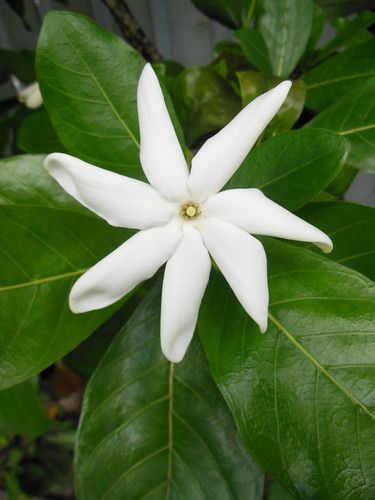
point(191, 211)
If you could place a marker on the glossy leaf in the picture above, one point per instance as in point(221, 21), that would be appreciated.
point(37, 135)
point(277, 492)
point(92, 103)
point(318, 22)
point(205, 101)
point(290, 111)
point(227, 12)
point(353, 117)
point(21, 411)
point(153, 429)
point(285, 26)
point(347, 31)
point(302, 393)
point(340, 8)
point(255, 49)
point(340, 74)
point(46, 241)
point(343, 180)
point(253, 84)
point(352, 230)
point(293, 168)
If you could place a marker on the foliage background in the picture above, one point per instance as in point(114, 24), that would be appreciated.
point(303, 404)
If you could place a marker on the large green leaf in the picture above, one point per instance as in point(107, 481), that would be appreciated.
point(88, 78)
point(352, 230)
point(349, 33)
point(152, 429)
point(331, 80)
point(302, 393)
point(255, 49)
point(46, 242)
point(293, 168)
point(36, 135)
point(285, 26)
point(227, 12)
point(21, 411)
point(340, 8)
point(205, 101)
point(353, 116)
point(253, 84)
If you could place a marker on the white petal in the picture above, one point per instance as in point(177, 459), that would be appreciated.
point(161, 156)
point(253, 212)
point(221, 155)
point(122, 201)
point(136, 260)
point(31, 96)
point(242, 260)
point(185, 280)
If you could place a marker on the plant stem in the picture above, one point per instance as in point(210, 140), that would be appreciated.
point(250, 13)
point(131, 30)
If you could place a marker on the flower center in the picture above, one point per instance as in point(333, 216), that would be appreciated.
point(189, 210)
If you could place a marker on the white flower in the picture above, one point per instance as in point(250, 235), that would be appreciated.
point(30, 96)
point(182, 218)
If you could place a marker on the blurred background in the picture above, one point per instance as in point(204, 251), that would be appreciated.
point(176, 28)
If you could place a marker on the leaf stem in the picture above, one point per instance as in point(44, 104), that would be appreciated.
point(249, 14)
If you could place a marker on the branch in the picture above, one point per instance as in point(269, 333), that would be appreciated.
point(131, 30)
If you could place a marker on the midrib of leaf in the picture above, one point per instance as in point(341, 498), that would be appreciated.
point(319, 367)
point(104, 94)
point(284, 36)
point(42, 281)
point(170, 431)
point(338, 79)
point(357, 129)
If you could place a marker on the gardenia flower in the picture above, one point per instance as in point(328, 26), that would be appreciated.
point(182, 217)
point(30, 96)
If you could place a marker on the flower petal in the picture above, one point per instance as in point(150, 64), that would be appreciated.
point(221, 155)
point(161, 156)
point(185, 280)
point(242, 260)
point(30, 96)
point(253, 212)
point(136, 260)
point(122, 201)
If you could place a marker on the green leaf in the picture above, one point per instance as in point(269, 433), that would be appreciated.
point(153, 429)
point(21, 411)
point(316, 29)
point(340, 74)
point(205, 101)
point(37, 135)
point(255, 49)
point(46, 243)
point(343, 180)
point(291, 109)
point(277, 492)
point(285, 26)
point(227, 12)
point(252, 84)
point(340, 8)
point(353, 117)
point(293, 168)
point(352, 230)
point(91, 102)
point(347, 31)
point(302, 394)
